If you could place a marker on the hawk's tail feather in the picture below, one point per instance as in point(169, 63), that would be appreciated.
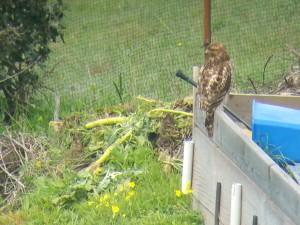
point(209, 122)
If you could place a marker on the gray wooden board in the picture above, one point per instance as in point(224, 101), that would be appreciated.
point(241, 104)
point(211, 165)
point(232, 157)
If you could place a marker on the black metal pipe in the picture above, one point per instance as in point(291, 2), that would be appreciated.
point(207, 22)
point(181, 75)
point(254, 220)
point(218, 203)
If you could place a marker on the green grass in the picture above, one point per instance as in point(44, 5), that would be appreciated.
point(154, 200)
point(138, 40)
point(144, 42)
point(253, 31)
point(59, 192)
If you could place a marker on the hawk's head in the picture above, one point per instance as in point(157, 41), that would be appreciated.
point(216, 51)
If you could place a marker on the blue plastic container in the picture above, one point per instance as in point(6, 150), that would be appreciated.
point(278, 129)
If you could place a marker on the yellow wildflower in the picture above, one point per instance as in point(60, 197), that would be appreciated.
point(129, 195)
point(188, 189)
point(106, 196)
point(179, 44)
point(115, 209)
point(104, 199)
point(123, 215)
point(178, 193)
point(131, 184)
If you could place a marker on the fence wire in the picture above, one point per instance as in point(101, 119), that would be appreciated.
point(116, 50)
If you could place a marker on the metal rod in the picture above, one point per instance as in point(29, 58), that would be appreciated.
point(184, 77)
point(254, 220)
point(228, 111)
point(207, 23)
point(218, 203)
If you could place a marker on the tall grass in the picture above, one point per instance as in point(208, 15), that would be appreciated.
point(136, 40)
point(145, 42)
point(141, 191)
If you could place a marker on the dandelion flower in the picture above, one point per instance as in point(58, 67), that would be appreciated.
point(129, 195)
point(188, 189)
point(131, 184)
point(178, 193)
point(115, 209)
point(106, 196)
point(104, 199)
point(188, 185)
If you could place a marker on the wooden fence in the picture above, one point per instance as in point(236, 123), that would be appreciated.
point(268, 193)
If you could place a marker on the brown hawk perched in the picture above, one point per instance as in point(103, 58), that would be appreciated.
point(214, 81)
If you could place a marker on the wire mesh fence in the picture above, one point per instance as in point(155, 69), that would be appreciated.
point(115, 50)
point(256, 34)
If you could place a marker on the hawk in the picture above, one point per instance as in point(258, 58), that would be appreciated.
point(214, 81)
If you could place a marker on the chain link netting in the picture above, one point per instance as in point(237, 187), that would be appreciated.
point(116, 50)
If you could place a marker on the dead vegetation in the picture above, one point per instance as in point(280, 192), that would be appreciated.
point(286, 83)
point(17, 150)
point(162, 125)
point(290, 84)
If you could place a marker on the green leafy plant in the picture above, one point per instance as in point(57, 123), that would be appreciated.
point(276, 155)
point(119, 88)
point(130, 186)
point(26, 29)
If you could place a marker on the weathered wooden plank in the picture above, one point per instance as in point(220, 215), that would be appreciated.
point(211, 165)
point(258, 166)
point(241, 104)
point(231, 157)
point(285, 192)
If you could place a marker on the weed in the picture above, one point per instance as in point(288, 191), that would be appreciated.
point(131, 186)
point(276, 155)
